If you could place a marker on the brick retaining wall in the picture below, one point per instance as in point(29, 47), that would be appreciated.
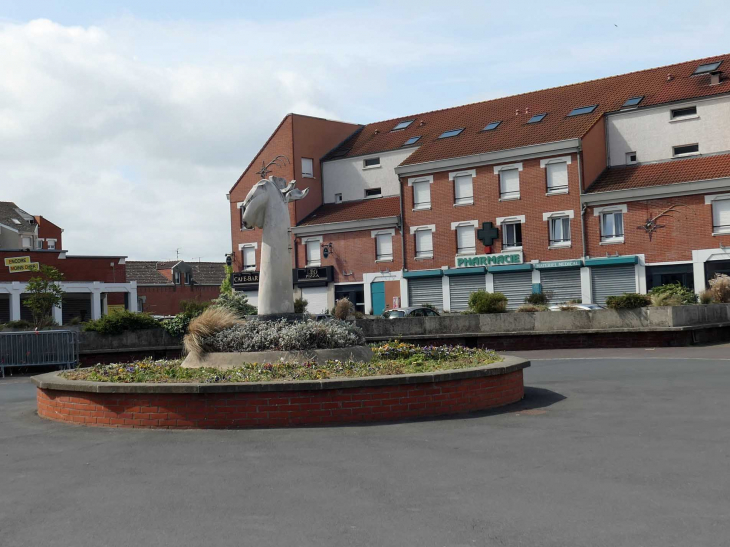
point(247, 409)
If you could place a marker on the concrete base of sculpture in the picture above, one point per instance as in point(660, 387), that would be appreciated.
point(289, 317)
point(225, 361)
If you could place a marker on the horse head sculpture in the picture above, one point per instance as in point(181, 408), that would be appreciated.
point(266, 207)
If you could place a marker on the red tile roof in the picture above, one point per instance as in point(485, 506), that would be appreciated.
point(658, 174)
point(656, 85)
point(354, 210)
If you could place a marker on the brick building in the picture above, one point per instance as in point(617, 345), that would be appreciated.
point(162, 286)
point(91, 284)
point(581, 191)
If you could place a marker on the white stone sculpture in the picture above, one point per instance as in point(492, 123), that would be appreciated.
point(266, 207)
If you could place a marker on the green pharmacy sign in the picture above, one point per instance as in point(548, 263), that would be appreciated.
point(500, 259)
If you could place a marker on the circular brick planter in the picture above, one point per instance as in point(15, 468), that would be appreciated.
point(280, 404)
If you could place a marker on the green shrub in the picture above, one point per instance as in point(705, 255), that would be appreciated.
point(75, 321)
point(531, 308)
point(487, 302)
point(628, 301)
point(178, 325)
point(300, 305)
point(19, 324)
point(193, 308)
point(343, 308)
point(117, 323)
point(538, 299)
point(236, 302)
point(672, 294)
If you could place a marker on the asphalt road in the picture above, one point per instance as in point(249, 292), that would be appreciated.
point(609, 448)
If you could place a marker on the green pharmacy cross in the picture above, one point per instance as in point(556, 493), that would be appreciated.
point(487, 234)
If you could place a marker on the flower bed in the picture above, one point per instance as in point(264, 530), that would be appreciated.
point(391, 359)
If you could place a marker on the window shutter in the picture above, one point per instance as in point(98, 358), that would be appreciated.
point(557, 176)
point(424, 242)
point(463, 189)
point(249, 257)
point(385, 246)
point(312, 252)
point(721, 215)
point(509, 181)
point(421, 194)
point(465, 241)
point(307, 167)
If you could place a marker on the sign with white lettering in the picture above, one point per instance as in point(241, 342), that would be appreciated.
point(17, 260)
point(498, 259)
point(558, 264)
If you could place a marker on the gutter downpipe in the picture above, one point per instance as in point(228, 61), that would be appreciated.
point(402, 233)
point(583, 206)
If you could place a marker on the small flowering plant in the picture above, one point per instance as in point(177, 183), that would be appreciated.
point(389, 359)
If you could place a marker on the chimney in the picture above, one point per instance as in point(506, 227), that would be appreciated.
point(670, 77)
point(715, 77)
point(517, 111)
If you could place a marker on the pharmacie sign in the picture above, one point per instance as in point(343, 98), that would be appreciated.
point(558, 264)
point(18, 264)
point(498, 259)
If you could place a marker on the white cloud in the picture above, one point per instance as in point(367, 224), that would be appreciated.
point(129, 133)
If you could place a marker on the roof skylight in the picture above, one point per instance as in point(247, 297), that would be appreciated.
point(412, 140)
point(582, 110)
point(402, 125)
point(450, 133)
point(492, 125)
point(15, 220)
point(633, 101)
point(537, 118)
point(708, 67)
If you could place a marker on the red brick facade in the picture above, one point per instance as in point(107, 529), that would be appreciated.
point(73, 268)
point(165, 300)
point(281, 409)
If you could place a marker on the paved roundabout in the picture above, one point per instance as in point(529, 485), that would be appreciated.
point(608, 448)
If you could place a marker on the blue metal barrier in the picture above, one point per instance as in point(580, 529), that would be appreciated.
point(50, 347)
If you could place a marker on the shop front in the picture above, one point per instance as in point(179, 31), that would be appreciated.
point(463, 282)
point(425, 287)
point(560, 280)
point(612, 277)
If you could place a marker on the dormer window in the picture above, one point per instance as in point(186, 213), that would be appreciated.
point(176, 277)
point(402, 125)
point(188, 277)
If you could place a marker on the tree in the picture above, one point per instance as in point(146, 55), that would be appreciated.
point(226, 286)
point(45, 294)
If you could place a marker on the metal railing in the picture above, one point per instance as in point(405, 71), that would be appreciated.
point(26, 349)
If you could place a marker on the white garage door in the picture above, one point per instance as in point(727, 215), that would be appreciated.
point(316, 298)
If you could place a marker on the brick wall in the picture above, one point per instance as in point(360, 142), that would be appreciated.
point(281, 409)
point(353, 252)
point(532, 203)
point(48, 230)
point(689, 228)
point(73, 269)
point(166, 300)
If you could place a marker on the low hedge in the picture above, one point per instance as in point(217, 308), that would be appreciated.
point(628, 301)
point(122, 321)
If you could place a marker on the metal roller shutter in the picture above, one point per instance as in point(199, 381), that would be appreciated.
point(4, 308)
point(516, 286)
point(316, 298)
point(563, 284)
point(426, 290)
point(76, 306)
point(612, 281)
point(461, 286)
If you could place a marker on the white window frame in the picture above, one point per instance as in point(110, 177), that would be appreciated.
point(673, 118)
point(374, 196)
point(417, 180)
point(37, 241)
point(23, 239)
point(473, 224)
point(629, 161)
point(306, 241)
point(51, 244)
point(176, 277)
point(376, 234)
point(559, 215)
point(305, 174)
point(711, 200)
point(567, 160)
point(610, 210)
point(338, 198)
point(469, 173)
point(431, 228)
point(516, 219)
point(240, 217)
point(509, 167)
point(378, 166)
point(243, 246)
point(685, 154)
point(187, 277)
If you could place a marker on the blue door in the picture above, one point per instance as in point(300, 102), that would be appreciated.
point(377, 290)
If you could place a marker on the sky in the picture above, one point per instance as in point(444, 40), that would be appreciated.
point(126, 123)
